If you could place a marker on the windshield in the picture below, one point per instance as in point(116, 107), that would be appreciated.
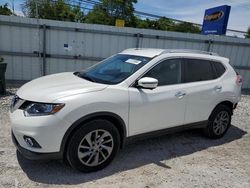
point(114, 69)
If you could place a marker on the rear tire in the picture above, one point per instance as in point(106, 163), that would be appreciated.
point(93, 146)
point(218, 122)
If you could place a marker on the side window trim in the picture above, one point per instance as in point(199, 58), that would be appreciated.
point(160, 61)
point(185, 70)
point(182, 70)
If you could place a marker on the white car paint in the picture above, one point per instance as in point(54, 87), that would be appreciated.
point(56, 86)
point(151, 110)
point(142, 110)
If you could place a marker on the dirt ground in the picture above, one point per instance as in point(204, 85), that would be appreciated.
point(184, 159)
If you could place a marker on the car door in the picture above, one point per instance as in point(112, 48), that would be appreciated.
point(162, 107)
point(202, 88)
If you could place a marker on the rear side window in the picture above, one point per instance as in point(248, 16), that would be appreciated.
point(220, 69)
point(198, 70)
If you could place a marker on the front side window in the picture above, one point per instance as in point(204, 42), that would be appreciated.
point(114, 69)
point(198, 70)
point(167, 72)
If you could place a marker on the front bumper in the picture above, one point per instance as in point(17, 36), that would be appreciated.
point(35, 155)
point(47, 131)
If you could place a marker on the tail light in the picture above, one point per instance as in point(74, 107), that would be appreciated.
point(238, 79)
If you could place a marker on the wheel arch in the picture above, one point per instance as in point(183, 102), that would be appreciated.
point(226, 103)
point(112, 117)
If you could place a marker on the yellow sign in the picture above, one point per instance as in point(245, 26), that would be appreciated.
point(119, 23)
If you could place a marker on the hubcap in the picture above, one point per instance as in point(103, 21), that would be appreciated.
point(221, 122)
point(95, 147)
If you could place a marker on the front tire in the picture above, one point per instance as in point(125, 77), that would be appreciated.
point(218, 122)
point(93, 146)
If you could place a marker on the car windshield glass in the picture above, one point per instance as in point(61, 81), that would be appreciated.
point(114, 69)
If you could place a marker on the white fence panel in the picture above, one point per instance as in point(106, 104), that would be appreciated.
point(35, 47)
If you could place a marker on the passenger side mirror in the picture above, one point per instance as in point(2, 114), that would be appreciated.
point(147, 83)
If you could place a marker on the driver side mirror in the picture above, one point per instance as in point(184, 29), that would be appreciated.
point(147, 83)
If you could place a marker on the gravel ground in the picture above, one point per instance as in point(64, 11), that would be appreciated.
point(184, 159)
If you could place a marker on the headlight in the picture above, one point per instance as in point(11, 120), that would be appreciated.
point(42, 109)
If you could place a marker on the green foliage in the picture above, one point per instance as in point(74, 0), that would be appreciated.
point(187, 28)
point(99, 16)
point(108, 11)
point(160, 24)
point(166, 24)
point(4, 10)
point(54, 10)
point(248, 33)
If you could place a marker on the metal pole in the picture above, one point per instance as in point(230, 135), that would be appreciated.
point(137, 40)
point(209, 45)
point(44, 51)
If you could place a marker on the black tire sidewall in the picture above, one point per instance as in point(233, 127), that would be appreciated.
point(209, 129)
point(79, 134)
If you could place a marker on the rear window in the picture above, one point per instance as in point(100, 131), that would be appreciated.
point(220, 69)
point(198, 70)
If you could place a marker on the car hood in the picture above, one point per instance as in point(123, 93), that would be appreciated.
point(52, 87)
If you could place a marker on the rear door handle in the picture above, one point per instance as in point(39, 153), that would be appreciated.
point(180, 94)
point(217, 88)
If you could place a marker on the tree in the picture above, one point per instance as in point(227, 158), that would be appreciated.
point(4, 10)
point(106, 12)
point(248, 33)
point(55, 10)
point(99, 16)
point(186, 28)
point(160, 24)
point(166, 24)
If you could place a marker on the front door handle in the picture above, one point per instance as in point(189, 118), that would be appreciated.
point(180, 94)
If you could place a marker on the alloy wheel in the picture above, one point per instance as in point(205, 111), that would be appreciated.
point(221, 122)
point(95, 147)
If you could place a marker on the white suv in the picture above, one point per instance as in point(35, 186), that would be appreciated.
point(86, 116)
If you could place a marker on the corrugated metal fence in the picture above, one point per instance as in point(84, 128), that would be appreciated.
point(33, 48)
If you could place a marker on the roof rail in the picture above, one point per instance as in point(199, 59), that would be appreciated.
point(188, 51)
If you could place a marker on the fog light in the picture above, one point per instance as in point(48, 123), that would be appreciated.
point(31, 142)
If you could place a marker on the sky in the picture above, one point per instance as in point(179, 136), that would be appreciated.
point(187, 10)
point(193, 10)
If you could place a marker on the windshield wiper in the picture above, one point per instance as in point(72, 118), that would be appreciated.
point(84, 76)
point(77, 74)
point(87, 78)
